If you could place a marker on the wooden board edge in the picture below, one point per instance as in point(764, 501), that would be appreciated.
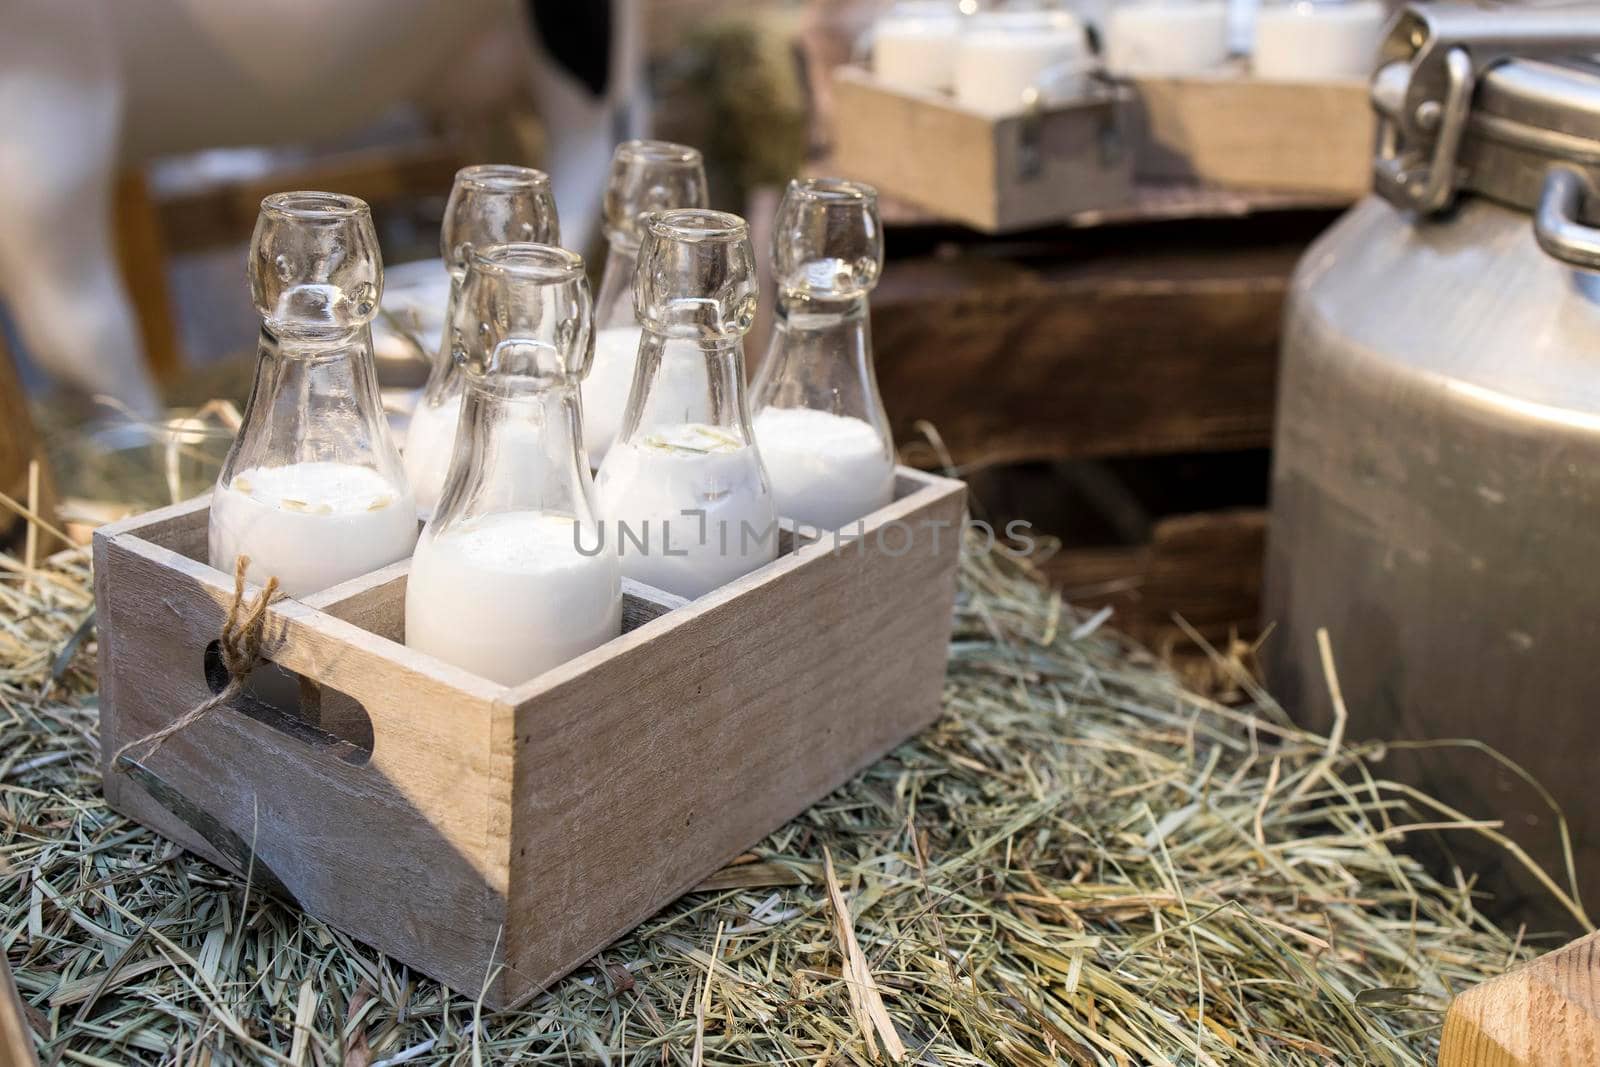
point(150, 524)
point(330, 599)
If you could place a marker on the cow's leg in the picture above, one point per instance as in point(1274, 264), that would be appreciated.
point(60, 112)
point(588, 83)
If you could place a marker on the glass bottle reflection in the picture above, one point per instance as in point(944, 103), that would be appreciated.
point(646, 177)
point(312, 490)
point(509, 578)
point(490, 204)
point(682, 490)
point(820, 423)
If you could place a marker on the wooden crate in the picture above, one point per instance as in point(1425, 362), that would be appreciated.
point(496, 838)
point(1236, 131)
point(994, 174)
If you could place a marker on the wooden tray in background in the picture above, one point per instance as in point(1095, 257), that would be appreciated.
point(1153, 147)
point(993, 174)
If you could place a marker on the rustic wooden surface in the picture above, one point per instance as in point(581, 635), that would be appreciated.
point(1145, 351)
point(1237, 131)
point(1204, 567)
point(496, 838)
point(993, 174)
point(142, 257)
point(1543, 1014)
point(16, 1040)
point(226, 213)
point(1175, 148)
point(1152, 202)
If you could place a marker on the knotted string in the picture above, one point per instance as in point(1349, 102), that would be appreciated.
point(241, 653)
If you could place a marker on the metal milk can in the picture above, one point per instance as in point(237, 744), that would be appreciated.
point(1436, 472)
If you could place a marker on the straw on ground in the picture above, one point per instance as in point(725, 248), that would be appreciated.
point(1079, 863)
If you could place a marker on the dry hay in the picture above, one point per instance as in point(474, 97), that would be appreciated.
point(1080, 863)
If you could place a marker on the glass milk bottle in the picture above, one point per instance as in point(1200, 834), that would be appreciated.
point(312, 490)
point(490, 204)
point(646, 176)
point(820, 424)
point(682, 491)
point(510, 577)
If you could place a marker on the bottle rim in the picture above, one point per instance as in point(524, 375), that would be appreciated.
point(832, 190)
point(526, 260)
point(695, 224)
point(501, 177)
point(312, 206)
point(640, 151)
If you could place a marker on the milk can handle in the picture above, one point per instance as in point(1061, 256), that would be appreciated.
point(1555, 222)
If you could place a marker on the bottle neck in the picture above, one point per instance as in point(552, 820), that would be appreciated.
point(443, 379)
point(820, 357)
point(681, 381)
point(517, 449)
point(287, 342)
point(613, 304)
point(315, 399)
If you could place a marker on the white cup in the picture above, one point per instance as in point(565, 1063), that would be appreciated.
point(914, 46)
point(1002, 55)
point(1164, 37)
point(1304, 41)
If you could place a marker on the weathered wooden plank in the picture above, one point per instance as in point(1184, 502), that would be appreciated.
point(1056, 358)
point(180, 527)
point(1545, 1013)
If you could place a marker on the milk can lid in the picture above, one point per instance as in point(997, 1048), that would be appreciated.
point(1528, 115)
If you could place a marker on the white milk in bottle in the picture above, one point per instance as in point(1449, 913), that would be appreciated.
point(605, 390)
point(687, 509)
point(820, 425)
point(313, 525)
point(827, 471)
point(510, 595)
point(430, 439)
point(312, 490)
point(682, 492)
point(510, 577)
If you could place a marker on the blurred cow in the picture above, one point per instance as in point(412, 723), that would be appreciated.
point(89, 86)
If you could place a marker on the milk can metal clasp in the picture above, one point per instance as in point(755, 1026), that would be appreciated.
point(1430, 64)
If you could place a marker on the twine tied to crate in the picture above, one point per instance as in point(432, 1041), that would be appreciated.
point(240, 645)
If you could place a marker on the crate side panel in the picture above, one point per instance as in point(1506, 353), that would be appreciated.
point(1064, 162)
point(182, 527)
point(1249, 133)
point(398, 850)
point(916, 148)
point(638, 778)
